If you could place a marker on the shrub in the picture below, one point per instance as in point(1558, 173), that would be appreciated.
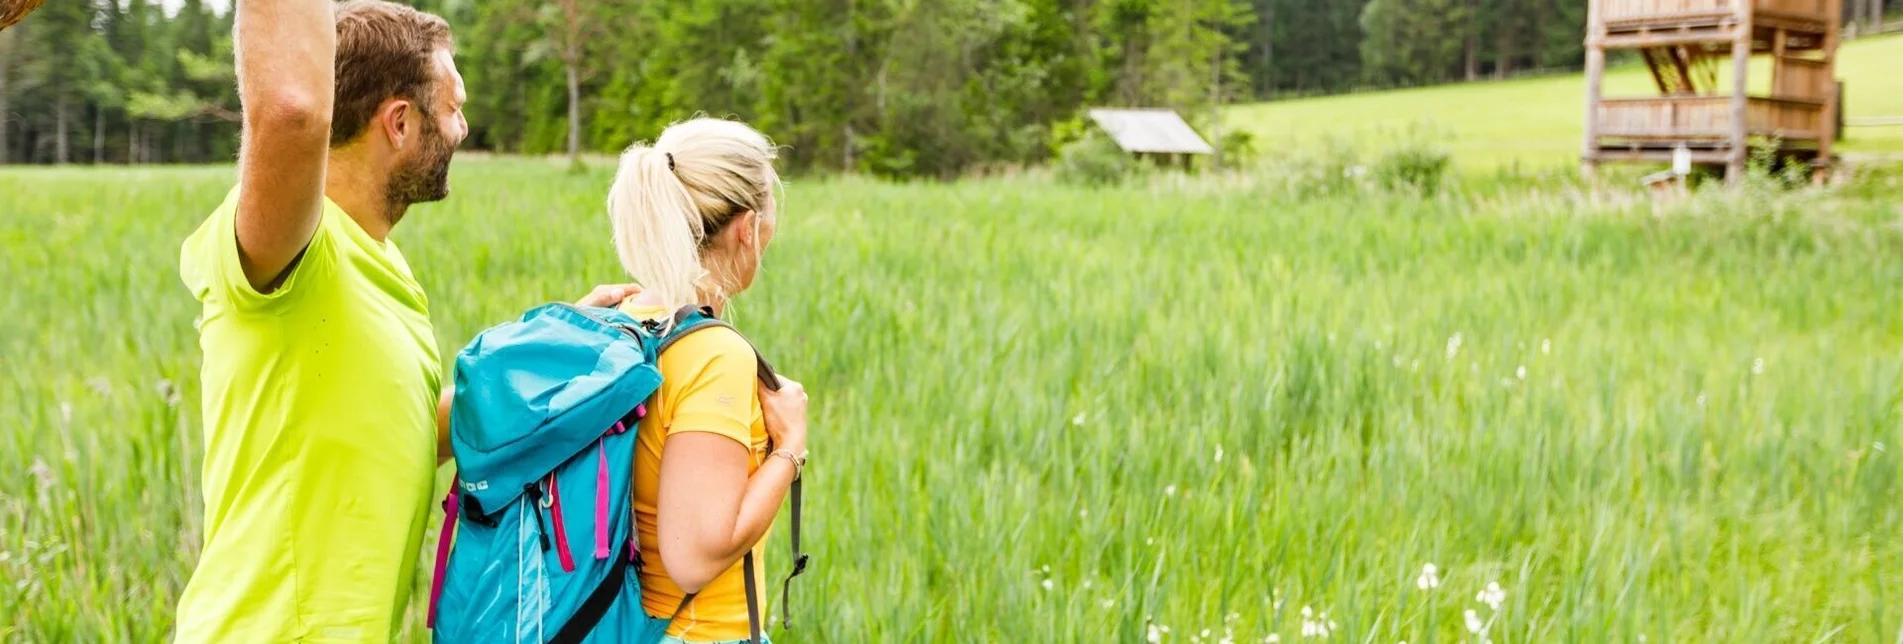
point(1413, 165)
point(1094, 160)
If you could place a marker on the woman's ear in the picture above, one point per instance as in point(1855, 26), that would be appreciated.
point(746, 229)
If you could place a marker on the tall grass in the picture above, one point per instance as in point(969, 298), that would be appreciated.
point(1046, 413)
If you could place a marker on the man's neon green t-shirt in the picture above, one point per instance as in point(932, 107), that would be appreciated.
point(320, 438)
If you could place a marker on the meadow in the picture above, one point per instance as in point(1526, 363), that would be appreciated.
point(1536, 122)
point(1210, 409)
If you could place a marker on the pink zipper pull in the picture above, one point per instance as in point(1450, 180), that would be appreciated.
point(561, 532)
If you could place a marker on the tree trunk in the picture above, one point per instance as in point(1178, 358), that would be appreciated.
point(1268, 47)
point(1876, 16)
point(99, 134)
point(574, 111)
point(1503, 55)
point(132, 140)
point(60, 135)
point(6, 52)
point(1215, 111)
point(848, 147)
point(1473, 40)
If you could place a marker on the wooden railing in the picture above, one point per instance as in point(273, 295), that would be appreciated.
point(1817, 9)
point(1638, 10)
point(1706, 117)
point(1801, 120)
point(1615, 11)
point(1661, 118)
point(1801, 78)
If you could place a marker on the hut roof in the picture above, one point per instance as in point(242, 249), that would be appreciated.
point(1150, 130)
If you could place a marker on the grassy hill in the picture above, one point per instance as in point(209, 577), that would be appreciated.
point(1539, 121)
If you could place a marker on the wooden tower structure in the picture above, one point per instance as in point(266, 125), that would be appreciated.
point(1689, 45)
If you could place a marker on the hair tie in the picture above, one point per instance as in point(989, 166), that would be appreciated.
point(670, 161)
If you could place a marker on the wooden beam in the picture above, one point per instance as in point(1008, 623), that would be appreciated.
point(1652, 63)
point(1682, 59)
point(1740, 91)
point(1595, 79)
point(1777, 57)
point(1827, 122)
point(1667, 40)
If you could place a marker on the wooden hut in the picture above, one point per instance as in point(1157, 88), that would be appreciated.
point(1689, 45)
point(1159, 133)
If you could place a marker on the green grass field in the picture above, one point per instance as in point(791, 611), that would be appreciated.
point(1538, 122)
point(1195, 408)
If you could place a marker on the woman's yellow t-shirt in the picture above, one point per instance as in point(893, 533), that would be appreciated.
point(709, 384)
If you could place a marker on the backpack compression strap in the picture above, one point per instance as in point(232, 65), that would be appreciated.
point(596, 606)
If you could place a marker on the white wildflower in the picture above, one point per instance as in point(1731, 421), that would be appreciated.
point(1757, 367)
point(1077, 420)
point(1218, 452)
point(100, 386)
point(1878, 446)
point(1429, 579)
point(1701, 401)
point(1546, 347)
point(1453, 346)
point(1156, 634)
point(1493, 596)
point(1087, 584)
point(1520, 372)
point(1205, 633)
point(1048, 584)
point(1109, 604)
point(1083, 513)
point(1473, 622)
point(66, 412)
point(1272, 639)
point(1169, 490)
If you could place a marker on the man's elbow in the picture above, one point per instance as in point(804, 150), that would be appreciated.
point(290, 111)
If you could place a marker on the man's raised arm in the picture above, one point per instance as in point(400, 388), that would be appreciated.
point(286, 51)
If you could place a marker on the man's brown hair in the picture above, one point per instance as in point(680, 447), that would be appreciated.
point(383, 51)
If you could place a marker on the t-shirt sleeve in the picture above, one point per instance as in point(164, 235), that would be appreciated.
point(717, 386)
point(209, 264)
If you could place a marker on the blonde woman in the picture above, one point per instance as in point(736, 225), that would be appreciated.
point(715, 457)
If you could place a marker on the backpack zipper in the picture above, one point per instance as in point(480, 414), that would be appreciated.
point(534, 490)
point(630, 332)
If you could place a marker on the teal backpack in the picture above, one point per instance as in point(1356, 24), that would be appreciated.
point(541, 509)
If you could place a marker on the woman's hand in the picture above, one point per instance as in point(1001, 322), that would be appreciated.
point(609, 295)
point(785, 412)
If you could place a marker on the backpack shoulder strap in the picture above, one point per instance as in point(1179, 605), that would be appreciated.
point(690, 319)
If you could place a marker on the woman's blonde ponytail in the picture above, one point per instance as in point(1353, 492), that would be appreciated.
point(670, 197)
point(654, 235)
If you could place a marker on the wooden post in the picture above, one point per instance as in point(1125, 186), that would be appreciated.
point(1740, 95)
point(1832, 116)
point(1595, 78)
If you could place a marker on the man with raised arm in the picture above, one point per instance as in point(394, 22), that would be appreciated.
point(321, 372)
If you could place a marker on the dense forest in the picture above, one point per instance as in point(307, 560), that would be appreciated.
point(892, 87)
